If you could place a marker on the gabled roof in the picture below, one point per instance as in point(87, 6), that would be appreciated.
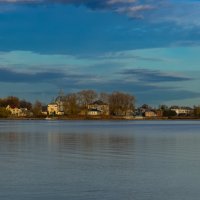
point(98, 102)
point(12, 107)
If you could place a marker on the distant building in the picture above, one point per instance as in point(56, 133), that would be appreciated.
point(53, 109)
point(138, 117)
point(147, 111)
point(60, 102)
point(18, 112)
point(182, 110)
point(150, 113)
point(94, 112)
point(98, 108)
point(57, 106)
point(159, 113)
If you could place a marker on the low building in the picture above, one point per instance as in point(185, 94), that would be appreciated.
point(98, 108)
point(18, 112)
point(94, 112)
point(159, 113)
point(53, 109)
point(182, 110)
point(138, 117)
point(150, 113)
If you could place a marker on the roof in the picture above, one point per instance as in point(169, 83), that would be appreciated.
point(12, 107)
point(98, 102)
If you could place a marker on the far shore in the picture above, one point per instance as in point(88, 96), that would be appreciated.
point(99, 118)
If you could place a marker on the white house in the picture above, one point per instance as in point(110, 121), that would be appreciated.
point(181, 110)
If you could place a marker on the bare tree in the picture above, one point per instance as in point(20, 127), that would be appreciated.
point(86, 97)
point(71, 106)
point(121, 103)
point(25, 104)
point(104, 97)
point(37, 109)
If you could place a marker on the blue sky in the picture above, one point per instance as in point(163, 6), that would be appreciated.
point(149, 48)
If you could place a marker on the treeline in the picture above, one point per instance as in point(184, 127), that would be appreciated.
point(14, 102)
point(119, 102)
point(74, 103)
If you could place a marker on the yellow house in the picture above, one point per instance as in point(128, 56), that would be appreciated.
point(53, 109)
point(19, 112)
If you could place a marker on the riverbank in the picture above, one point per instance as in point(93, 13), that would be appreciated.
point(101, 118)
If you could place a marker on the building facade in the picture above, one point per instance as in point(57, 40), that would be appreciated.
point(98, 108)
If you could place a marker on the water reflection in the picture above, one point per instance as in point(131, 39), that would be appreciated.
point(89, 142)
point(68, 142)
point(100, 160)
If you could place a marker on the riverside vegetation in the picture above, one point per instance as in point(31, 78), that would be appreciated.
point(75, 105)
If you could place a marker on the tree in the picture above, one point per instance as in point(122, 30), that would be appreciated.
point(4, 113)
point(37, 109)
point(11, 100)
point(163, 107)
point(197, 111)
point(169, 113)
point(120, 103)
point(71, 106)
point(146, 106)
point(86, 97)
point(25, 104)
point(104, 97)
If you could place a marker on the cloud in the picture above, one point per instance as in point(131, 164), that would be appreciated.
point(10, 76)
point(123, 55)
point(153, 76)
point(156, 11)
point(163, 96)
point(133, 8)
point(142, 90)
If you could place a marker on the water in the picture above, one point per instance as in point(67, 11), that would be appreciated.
point(99, 160)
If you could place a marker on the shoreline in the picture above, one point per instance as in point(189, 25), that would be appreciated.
point(99, 118)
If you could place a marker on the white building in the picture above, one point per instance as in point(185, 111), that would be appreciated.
point(181, 110)
point(98, 108)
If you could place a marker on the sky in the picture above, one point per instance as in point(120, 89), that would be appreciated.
point(148, 48)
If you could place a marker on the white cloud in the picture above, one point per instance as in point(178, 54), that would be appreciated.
point(133, 11)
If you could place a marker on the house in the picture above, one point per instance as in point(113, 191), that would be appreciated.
point(54, 109)
point(159, 113)
point(150, 113)
point(57, 105)
point(60, 99)
point(98, 108)
point(182, 110)
point(138, 117)
point(18, 112)
point(94, 112)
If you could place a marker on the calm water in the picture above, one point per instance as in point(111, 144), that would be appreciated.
point(83, 160)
